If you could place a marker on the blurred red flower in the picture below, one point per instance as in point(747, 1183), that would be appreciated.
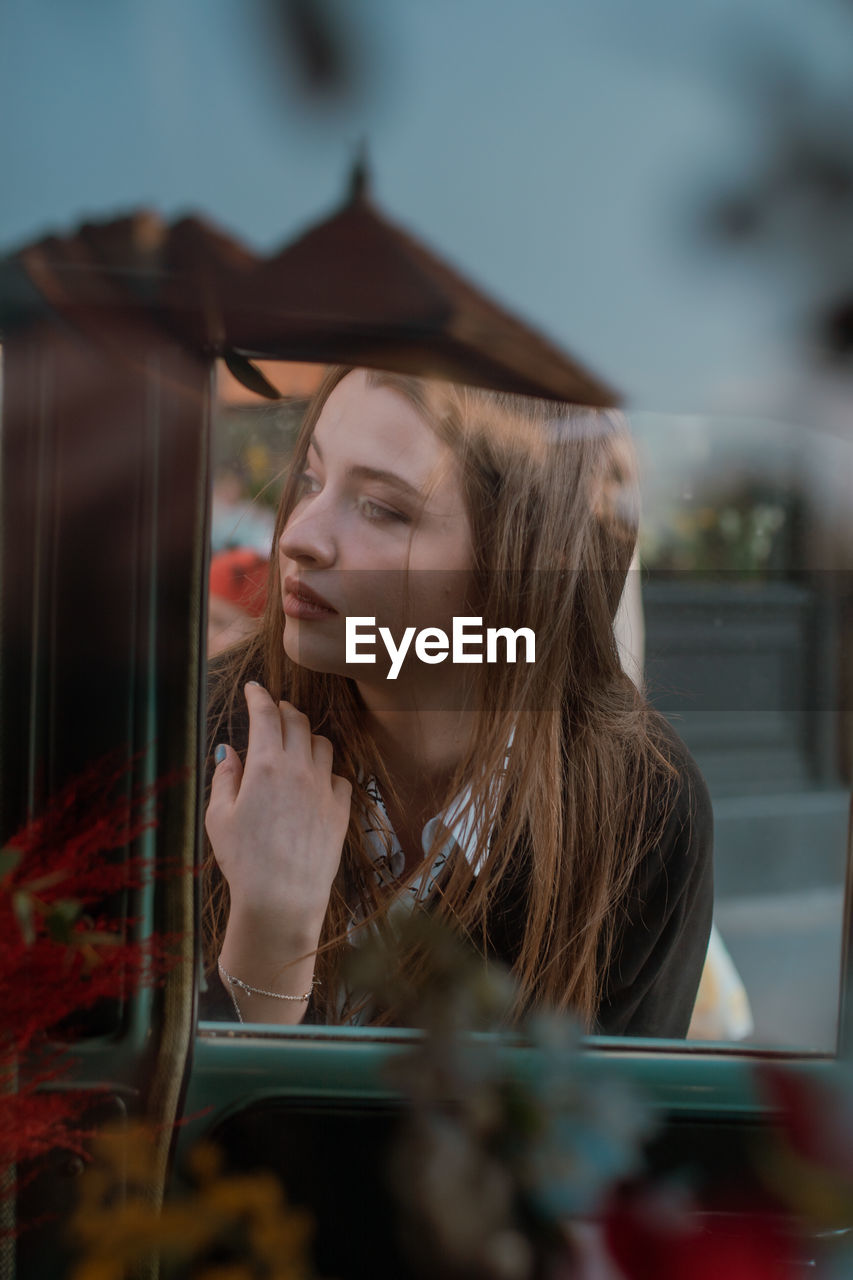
point(653, 1235)
point(61, 949)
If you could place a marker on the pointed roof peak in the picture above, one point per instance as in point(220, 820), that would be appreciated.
point(359, 179)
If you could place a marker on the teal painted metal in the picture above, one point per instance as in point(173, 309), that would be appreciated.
point(235, 1067)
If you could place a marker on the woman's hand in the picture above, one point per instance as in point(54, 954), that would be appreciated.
point(277, 827)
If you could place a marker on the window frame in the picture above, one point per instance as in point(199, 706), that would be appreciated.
point(223, 1067)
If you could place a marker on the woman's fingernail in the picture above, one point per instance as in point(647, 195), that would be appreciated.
point(219, 754)
point(255, 684)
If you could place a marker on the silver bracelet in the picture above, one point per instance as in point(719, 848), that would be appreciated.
point(258, 991)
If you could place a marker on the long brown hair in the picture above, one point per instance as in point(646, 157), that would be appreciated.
point(584, 791)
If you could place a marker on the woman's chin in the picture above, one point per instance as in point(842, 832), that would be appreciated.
point(306, 653)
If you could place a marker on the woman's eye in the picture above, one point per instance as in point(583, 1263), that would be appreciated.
point(377, 512)
point(308, 484)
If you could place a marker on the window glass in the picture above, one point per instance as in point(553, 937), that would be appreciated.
point(746, 549)
point(733, 619)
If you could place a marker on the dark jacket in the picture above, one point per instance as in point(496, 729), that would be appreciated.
point(662, 935)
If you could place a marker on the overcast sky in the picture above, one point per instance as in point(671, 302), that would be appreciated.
point(558, 151)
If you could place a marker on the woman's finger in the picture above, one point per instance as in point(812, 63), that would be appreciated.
point(265, 731)
point(295, 729)
point(225, 783)
point(322, 751)
point(341, 789)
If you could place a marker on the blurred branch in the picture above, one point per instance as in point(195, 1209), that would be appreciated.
point(320, 39)
point(796, 206)
point(317, 41)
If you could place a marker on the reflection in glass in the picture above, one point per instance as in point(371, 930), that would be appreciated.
point(723, 553)
point(747, 593)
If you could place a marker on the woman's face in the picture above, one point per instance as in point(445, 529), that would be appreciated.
point(380, 530)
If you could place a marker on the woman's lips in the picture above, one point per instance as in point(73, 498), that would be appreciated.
point(301, 602)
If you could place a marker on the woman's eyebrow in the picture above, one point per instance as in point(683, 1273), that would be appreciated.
point(387, 477)
point(361, 472)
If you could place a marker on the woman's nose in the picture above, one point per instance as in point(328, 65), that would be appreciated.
point(309, 538)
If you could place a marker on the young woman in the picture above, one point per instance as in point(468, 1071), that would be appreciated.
point(541, 808)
